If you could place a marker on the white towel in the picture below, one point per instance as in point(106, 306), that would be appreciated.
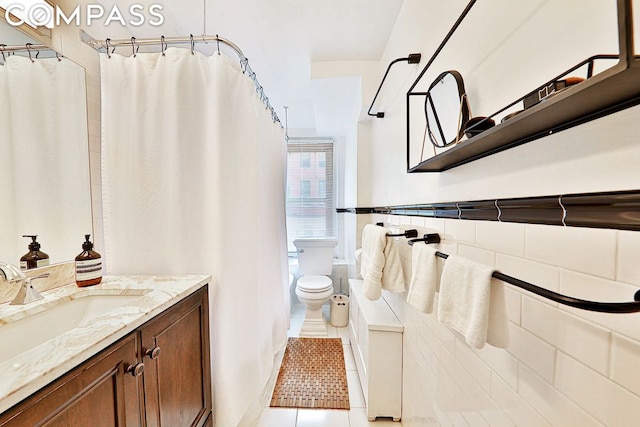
point(424, 277)
point(380, 264)
point(472, 304)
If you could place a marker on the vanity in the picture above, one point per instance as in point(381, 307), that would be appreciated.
point(132, 351)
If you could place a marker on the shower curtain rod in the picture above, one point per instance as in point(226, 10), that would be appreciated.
point(18, 48)
point(135, 43)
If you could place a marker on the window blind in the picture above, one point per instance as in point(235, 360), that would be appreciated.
point(310, 201)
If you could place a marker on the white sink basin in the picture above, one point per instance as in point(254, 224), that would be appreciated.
point(34, 329)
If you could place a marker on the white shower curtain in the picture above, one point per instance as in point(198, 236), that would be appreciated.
point(193, 173)
point(44, 157)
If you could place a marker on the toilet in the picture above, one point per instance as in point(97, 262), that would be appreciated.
point(313, 289)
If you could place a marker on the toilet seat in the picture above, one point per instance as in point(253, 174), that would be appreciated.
point(314, 284)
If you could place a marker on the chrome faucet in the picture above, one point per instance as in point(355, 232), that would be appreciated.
point(9, 273)
point(27, 293)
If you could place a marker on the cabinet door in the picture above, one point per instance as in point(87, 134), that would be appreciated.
point(177, 376)
point(98, 392)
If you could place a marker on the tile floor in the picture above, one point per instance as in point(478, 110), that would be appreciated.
point(355, 417)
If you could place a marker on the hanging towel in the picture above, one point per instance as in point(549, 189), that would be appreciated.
point(424, 277)
point(380, 264)
point(472, 304)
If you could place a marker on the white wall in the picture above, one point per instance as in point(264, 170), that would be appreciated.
point(593, 157)
point(563, 367)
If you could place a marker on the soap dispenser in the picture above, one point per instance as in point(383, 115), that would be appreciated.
point(88, 265)
point(35, 257)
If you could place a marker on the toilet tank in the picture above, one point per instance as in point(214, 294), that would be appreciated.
point(315, 256)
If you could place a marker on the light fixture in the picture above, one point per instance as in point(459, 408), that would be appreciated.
point(413, 58)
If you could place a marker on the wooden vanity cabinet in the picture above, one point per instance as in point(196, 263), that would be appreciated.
point(177, 373)
point(158, 375)
point(98, 393)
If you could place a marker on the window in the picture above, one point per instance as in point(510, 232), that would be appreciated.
point(322, 188)
point(305, 160)
point(322, 160)
point(310, 205)
point(306, 188)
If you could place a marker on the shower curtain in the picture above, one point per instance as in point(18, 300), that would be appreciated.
point(44, 157)
point(193, 174)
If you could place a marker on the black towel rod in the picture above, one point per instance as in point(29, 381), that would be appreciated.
point(409, 234)
point(602, 307)
point(413, 58)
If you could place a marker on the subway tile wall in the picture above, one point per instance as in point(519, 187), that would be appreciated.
point(563, 366)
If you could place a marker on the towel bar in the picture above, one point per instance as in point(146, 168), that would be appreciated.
point(602, 307)
point(427, 238)
point(409, 234)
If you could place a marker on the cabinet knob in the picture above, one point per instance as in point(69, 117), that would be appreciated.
point(136, 370)
point(153, 353)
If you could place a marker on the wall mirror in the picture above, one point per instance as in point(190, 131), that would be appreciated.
point(446, 109)
point(44, 154)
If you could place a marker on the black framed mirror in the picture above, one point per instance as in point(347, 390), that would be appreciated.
point(446, 109)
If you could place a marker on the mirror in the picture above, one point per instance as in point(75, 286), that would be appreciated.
point(446, 109)
point(44, 153)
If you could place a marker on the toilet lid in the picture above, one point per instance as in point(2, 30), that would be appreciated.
point(314, 283)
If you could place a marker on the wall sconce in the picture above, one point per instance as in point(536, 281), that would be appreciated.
point(413, 58)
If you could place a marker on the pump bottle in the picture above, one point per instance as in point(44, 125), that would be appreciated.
point(88, 265)
point(35, 257)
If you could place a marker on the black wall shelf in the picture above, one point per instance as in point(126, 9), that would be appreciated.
point(612, 90)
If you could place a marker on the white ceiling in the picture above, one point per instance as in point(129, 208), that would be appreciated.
point(281, 38)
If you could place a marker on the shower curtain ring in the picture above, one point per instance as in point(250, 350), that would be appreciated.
point(218, 41)
point(192, 44)
point(2, 52)
point(107, 41)
point(163, 45)
point(133, 47)
point(29, 50)
point(58, 57)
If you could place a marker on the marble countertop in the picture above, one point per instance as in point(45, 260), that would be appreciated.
point(27, 372)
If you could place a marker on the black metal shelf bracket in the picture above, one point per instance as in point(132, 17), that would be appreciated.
point(413, 58)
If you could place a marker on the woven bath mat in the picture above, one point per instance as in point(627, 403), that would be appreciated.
point(312, 375)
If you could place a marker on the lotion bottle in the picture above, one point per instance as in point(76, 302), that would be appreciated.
point(35, 257)
point(88, 265)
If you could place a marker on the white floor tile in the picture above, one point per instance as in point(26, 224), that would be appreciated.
point(356, 398)
point(322, 418)
point(358, 418)
point(344, 334)
point(278, 417)
point(331, 330)
point(349, 361)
